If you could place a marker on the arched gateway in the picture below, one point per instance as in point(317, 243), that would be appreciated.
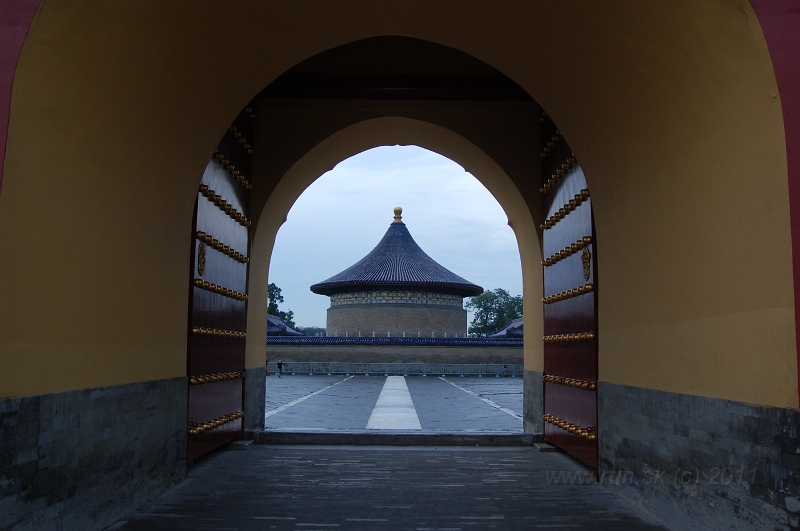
point(683, 116)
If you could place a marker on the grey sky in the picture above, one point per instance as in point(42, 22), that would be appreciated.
point(344, 214)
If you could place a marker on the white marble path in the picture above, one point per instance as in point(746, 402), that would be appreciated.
point(394, 409)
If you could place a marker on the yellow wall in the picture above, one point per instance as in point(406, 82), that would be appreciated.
point(671, 108)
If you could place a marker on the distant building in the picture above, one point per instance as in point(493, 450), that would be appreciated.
point(278, 327)
point(514, 329)
point(397, 290)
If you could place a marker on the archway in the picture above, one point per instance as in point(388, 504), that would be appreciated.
point(394, 130)
point(494, 132)
point(341, 217)
point(628, 126)
point(415, 335)
point(681, 112)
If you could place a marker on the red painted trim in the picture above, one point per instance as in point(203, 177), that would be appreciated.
point(15, 19)
point(780, 22)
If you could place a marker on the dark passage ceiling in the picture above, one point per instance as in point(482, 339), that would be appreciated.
point(394, 68)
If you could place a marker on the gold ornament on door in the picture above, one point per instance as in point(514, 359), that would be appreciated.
point(586, 258)
point(201, 259)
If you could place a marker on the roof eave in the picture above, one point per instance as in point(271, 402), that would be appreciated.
point(461, 290)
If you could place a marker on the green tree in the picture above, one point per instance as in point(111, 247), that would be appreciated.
point(493, 309)
point(273, 298)
point(312, 330)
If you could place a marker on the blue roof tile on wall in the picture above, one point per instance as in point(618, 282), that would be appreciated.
point(397, 263)
point(410, 341)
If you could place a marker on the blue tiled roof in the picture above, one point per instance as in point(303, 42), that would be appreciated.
point(397, 263)
point(410, 341)
point(278, 327)
point(515, 328)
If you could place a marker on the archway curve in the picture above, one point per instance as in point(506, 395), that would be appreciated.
point(673, 109)
point(682, 137)
point(387, 131)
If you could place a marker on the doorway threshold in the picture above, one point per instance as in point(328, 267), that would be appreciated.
point(392, 438)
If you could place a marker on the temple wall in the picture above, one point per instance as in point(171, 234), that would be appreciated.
point(413, 320)
point(396, 353)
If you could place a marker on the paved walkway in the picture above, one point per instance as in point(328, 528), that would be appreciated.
point(321, 488)
point(348, 403)
point(422, 488)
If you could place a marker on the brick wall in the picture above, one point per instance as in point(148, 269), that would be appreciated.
point(533, 403)
point(698, 463)
point(82, 459)
point(413, 319)
point(255, 389)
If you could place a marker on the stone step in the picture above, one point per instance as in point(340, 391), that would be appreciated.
point(392, 438)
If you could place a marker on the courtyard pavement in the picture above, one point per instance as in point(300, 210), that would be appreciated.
point(447, 404)
point(348, 488)
point(420, 488)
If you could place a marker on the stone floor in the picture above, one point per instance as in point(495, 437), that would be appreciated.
point(323, 488)
point(421, 488)
point(346, 403)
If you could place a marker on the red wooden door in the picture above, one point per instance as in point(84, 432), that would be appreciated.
point(570, 301)
point(218, 302)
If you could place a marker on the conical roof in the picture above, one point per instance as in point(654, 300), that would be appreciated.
point(397, 263)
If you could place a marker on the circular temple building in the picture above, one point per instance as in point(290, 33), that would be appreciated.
point(397, 290)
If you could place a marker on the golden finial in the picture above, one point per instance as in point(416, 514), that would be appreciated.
point(398, 218)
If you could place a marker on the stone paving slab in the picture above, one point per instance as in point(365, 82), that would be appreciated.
point(397, 438)
point(442, 406)
point(347, 405)
point(439, 405)
point(343, 488)
point(505, 391)
point(288, 388)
